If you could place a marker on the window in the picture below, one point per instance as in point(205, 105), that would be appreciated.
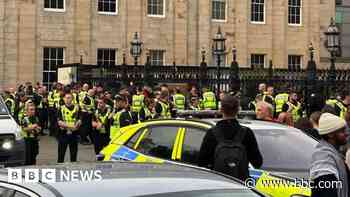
point(257, 61)
point(222, 60)
point(294, 12)
point(219, 9)
point(157, 57)
point(192, 144)
point(279, 151)
point(106, 57)
point(133, 140)
point(52, 58)
point(258, 11)
point(156, 7)
point(294, 62)
point(108, 6)
point(58, 5)
point(158, 141)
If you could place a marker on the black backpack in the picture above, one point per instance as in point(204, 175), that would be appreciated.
point(231, 155)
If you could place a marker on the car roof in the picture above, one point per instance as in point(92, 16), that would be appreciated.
point(252, 124)
point(132, 179)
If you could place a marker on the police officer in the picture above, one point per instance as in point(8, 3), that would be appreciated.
point(53, 98)
point(147, 112)
point(163, 108)
point(41, 106)
point(120, 117)
point(179, 100)
point(69, 123)
point(281, 99)
point(88, 109)
point(30, 130)
point(137, 101)
point(294, 106)
point(21, 109)
point(10, 103)
point(101, 125)
point(209, 100)
point(338, 105)
point(83, 92)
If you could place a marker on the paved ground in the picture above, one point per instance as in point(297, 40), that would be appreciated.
point(48, 152)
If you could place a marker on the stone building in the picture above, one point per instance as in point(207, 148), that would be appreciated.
point(36, 35)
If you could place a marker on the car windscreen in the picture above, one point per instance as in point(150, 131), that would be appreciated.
point(3, 108)
point(285, 149)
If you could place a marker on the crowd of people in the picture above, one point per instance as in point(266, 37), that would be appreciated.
point(93, 115)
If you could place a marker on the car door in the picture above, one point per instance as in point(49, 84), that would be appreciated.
point(190, 143)
point(157, 141)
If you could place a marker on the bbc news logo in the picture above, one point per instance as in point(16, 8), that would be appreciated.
point(52, 175)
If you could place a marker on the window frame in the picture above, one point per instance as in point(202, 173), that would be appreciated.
point(251, 60)
point(301, 16)
point(144, 131)
point(48, 83)
point(183, 138)
point(56, 9)
point(301, 62)
point(226, 14)
point(264, 15)
point(103, 60)
point(157, 15)
point(109, 13)
point(163, 59)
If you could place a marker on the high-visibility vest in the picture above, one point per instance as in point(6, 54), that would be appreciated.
point(115, 127)
point(209, 100)
point(335, 102)
point(22, 110)
point(51, 98)
point(294, 109)
point(165, 110)
point(179, 101)
point(88, 108)
point(82, 95)
point(148, 114)
point(137, 103)
point(29, 122)
point(11, 105)
point(280, 100)
point(68, 115)
point(103, 119)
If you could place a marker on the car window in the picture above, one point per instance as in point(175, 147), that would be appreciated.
point(210, 193)
point(285, 150)
point(133, 140)
point(158, 141)
point(192, 144)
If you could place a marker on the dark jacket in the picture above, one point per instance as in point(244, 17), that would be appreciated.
point(228, 128)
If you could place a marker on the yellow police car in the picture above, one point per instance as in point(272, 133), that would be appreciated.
point(286, 151)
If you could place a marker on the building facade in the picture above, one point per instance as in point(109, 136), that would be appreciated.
point(38, 35)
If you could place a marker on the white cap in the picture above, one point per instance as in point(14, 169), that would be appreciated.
point(330, 123)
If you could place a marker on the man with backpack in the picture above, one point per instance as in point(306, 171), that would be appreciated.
point(229, 147)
